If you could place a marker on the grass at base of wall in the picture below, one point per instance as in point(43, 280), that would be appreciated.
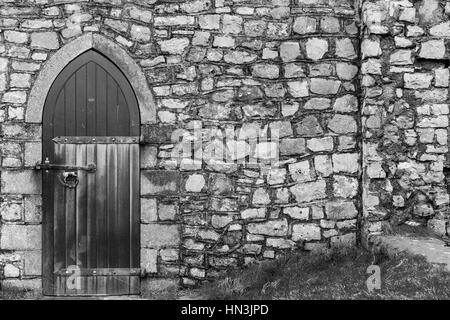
point(333, 276)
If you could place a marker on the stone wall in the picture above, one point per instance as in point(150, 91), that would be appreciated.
point(405, 79)
point(260, 78)
point(265, 112)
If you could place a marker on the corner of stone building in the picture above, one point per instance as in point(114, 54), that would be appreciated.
point(405, 81)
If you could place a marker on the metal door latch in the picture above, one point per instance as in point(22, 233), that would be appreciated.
point(69, 179)
point(46, 165)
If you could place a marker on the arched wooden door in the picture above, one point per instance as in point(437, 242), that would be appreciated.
point(90, 181)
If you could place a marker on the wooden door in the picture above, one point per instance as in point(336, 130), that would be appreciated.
point(91, 217)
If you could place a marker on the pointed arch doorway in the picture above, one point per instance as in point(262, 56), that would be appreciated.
point(91, 181)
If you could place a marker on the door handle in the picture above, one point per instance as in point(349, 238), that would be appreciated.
point(46, 165)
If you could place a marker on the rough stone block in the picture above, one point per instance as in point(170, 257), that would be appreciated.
point(167, 212)
point(289, 51)
point(324, 86)
point(340, 210)
point(345, 162)
point(159, 235)
point(159, 182)
point(309, 191)
point(342, 124)
point(316, 48)
point(33, 209)
point(269, 228)
point(149, 260)
point(20, 237)
point(432, 49)
point(292, 146)
point(303, 25)
point(32, 263)
point(45, 40)
point(149, 211)
point(305, 231)
point(21, 182)
point(308, 126)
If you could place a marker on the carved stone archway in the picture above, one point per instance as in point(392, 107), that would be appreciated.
point(70, 51)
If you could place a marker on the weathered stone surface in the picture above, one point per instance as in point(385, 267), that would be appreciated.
point(324, 86)
point(370, 48)
point(195, 183)
point(346, 71)
point(254, 213)
point(347, 103)
point(277, 228)
point(308, 191)
point(308, 126)
point(45, 40)
point(174, 20)
point(298, 89)
point(342, 124)
point(167, 212)
point(159, 235)
point(268, 71)
point(417, 80)
point(303, 25)
point(305, 231)
point(441, 30)
point(345, 162)
point(149, 259)
point(316, 48)
point(289, 51)
point(292, 146)
point(320, 144)
point(209, 21)
point(174, 45)
point(317, 104)
point(301, 171)
point(159, 181)
point(297, 212)
point(20, 237)
point(239, 57)
point(330, 24)
point(340, 210)
point(345, 187)
point(345, 48)
point(21, 182)
point(231, 24)
point(432, 49)
point(15, 36)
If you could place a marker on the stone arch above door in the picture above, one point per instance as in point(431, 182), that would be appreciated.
point(70, 51)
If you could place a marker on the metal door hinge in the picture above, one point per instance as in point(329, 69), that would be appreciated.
point(46, 165)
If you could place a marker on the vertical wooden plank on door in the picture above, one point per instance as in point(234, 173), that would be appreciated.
point(80, 108)
point(91, 263)
point(59, 217)
point(71, 216)
point(123, 223)
point(101, 110)
point(101, 212)
point(134, 216)
point(81, 212)
point(111, 106)
point(69, 115)
point(112, 214)
point(91, 88)
point(122, 115)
